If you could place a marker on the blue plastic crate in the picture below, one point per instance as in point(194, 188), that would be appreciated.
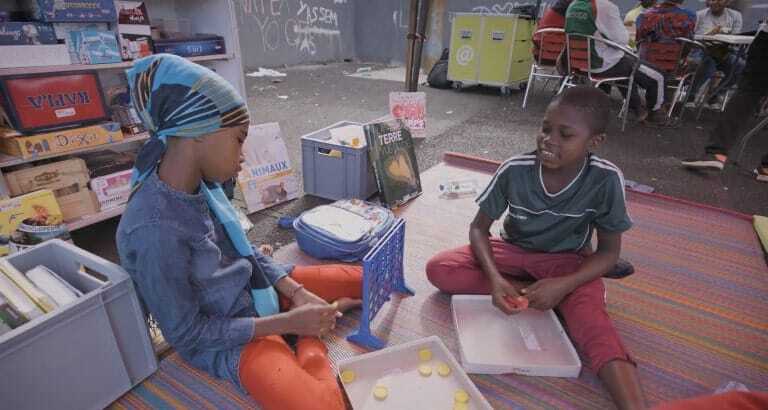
point(334, 171)
point(383, 274)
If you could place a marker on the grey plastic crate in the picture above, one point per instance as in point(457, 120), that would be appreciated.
point(83, 355)
point(335, 171)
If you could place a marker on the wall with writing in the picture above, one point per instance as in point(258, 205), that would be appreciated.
point(277, 32)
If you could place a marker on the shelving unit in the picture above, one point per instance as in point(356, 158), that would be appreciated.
point(205, 16)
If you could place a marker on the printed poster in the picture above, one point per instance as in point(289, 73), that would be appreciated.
point(411, 108)
point(267, 178)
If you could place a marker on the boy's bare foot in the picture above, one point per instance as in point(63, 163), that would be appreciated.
point(267, 250)
point(346, 304)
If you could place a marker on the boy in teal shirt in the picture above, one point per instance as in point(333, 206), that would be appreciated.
point(554, 197)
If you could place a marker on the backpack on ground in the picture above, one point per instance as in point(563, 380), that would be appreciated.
point(344, 230)
point(438, 76)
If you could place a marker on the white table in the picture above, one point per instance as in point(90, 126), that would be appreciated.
point(732, 39)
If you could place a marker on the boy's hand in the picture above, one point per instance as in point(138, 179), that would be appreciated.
point(547, 293)
point(304, 297)
point(504, 295)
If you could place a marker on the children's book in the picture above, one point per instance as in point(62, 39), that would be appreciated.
point(411, 107)
point(391, 152)
point(267, 178)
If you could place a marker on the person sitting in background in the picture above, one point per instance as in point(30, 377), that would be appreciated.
point(554, 17)
point(601, 19)
point(631, 18)
point(664, 23)
point(717, 19)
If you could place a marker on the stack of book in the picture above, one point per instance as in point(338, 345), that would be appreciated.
point(24, 297)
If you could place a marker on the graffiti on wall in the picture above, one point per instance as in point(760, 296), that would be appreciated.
point(296, 24)
point(505, 8)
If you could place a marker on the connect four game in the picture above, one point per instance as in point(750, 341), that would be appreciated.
point(382, 275)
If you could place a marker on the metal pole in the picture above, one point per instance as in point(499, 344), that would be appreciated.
point(412, 15)
point(420, 35)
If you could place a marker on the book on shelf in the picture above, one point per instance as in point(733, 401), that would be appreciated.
point(392, 155)
point(40, 298)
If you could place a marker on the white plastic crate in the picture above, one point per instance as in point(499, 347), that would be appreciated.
point(396, 368)
point(335, 171)
point(83, 355)
point(531, 342)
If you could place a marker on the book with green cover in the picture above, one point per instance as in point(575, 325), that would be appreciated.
point(9, 315)
point(390, 148)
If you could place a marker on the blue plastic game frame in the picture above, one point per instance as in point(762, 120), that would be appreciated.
point(383, 274)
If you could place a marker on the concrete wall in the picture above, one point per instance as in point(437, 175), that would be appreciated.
point(277, 32)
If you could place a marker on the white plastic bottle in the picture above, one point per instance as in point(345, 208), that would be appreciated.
point(458, 188)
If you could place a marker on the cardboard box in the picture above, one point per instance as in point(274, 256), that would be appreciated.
point(112, 190)
point(34, 56)
point(40, 145)
point(48, 101)
point(79, 204)
point(16, 33)
point(93, 47)
point(134, 31)
point(54, 176)
point(71, 10)
point(41, 205)
point(63, 29)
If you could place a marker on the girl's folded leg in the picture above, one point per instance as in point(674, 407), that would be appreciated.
point(331, 282)
point(277, 379)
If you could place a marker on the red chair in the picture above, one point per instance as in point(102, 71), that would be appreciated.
point(670, 59)
point(551, 44)
point(579, 63)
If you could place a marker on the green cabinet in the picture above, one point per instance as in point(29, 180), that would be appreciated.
point(490, 49)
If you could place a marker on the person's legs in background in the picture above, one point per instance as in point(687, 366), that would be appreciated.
point(705, 70)
point(753, 87)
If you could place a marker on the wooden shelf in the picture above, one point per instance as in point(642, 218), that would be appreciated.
point(95, 218)
point(9, 161)
point(88, 67)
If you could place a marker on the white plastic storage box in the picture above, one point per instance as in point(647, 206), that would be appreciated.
point(335, 171)
point(83, 355)
point(532, 342)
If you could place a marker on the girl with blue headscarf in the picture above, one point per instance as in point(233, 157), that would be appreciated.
point(217, 299)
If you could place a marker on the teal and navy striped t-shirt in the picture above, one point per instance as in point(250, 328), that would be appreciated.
point(545, 221)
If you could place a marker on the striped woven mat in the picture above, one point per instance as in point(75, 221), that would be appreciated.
point(694, 315)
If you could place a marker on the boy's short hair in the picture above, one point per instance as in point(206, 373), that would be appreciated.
point(591, 101)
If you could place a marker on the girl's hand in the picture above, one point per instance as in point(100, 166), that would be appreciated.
point(504, 295)
point(312, 319)
point(547, 293)
point(304, 297)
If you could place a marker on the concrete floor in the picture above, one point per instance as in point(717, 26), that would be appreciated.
point(475, 121)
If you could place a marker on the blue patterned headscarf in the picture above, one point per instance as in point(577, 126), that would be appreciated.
point(178, 98)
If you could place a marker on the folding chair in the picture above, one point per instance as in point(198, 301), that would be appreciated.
point(670, 59)
point(545, 66)
point(579, 49)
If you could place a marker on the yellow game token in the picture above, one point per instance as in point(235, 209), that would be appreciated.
point(425, 355)
point(461, 396)
point(347, 376)
point(443, 369)
point(425, 370)
point(380, 392)
point(460, 406)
